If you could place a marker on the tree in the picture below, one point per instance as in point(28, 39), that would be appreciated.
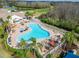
point(23, 44)
point(33, 41)
point(1, 31)
point(64, 15)
point(69, 38)
point(34, 47)
point(6, 26)
point(1, 20)
point(20, 53)
point(8, 17)
point(1, 1)
point(49, 56)
point(77, 29)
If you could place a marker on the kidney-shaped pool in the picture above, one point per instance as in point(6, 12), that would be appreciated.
point(36, 32)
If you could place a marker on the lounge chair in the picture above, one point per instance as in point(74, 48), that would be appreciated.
point(9, 40)
point(21, 29)
point(26, 28)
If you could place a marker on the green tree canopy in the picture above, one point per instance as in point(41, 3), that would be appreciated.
point(1, 20)
point(1, 30)
point(49, 56)
point(33, 40)
point(69, 37)
point(8, 17)
point(23, 44)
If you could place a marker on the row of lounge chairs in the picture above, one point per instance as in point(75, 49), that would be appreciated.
point(21, 30)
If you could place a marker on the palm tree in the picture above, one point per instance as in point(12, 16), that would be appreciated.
point(33, 45)
point(23, 44)
point(34, 48)
point(28, 15)
point(1, 20)
point(8, 17)
point(49, 56)
point(69, 38)
point(5, 26)
point(1, 31)
point(33, 41)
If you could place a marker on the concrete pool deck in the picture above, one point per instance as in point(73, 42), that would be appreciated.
point(17, 32)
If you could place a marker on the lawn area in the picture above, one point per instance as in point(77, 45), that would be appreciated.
point(3, 52)
point(38, 11)
point(3, 37)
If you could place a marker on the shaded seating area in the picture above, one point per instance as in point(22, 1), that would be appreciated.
point(23, 29)
point(52, 43)
point(47, 45)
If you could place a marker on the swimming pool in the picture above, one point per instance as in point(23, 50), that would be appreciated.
point(71, 55)
point(36, 32)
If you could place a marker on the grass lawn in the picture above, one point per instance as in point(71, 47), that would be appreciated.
point(38, 11)
point(30, 54)
point(3, 52)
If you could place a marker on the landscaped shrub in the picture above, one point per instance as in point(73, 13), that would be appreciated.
point(49, 56)
point(1, 31)
point(77, 29)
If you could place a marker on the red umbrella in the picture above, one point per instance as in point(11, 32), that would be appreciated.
point(52, 42)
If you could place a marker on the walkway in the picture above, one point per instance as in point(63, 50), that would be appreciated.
point(51, 51)
point(4, 53)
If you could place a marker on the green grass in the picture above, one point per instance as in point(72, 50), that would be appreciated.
point(3, 52)
point(38, 11)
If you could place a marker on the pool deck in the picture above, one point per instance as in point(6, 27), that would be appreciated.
point(17, 32)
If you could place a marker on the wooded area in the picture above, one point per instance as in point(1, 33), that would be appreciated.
point(63, 15)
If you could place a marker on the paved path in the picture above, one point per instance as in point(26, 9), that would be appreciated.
point(54, 49)
point(4, 53)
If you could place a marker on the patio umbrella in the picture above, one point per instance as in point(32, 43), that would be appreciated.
point(52, 42)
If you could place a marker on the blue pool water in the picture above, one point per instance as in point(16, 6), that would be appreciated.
point(36, 32)
point(71, 55)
